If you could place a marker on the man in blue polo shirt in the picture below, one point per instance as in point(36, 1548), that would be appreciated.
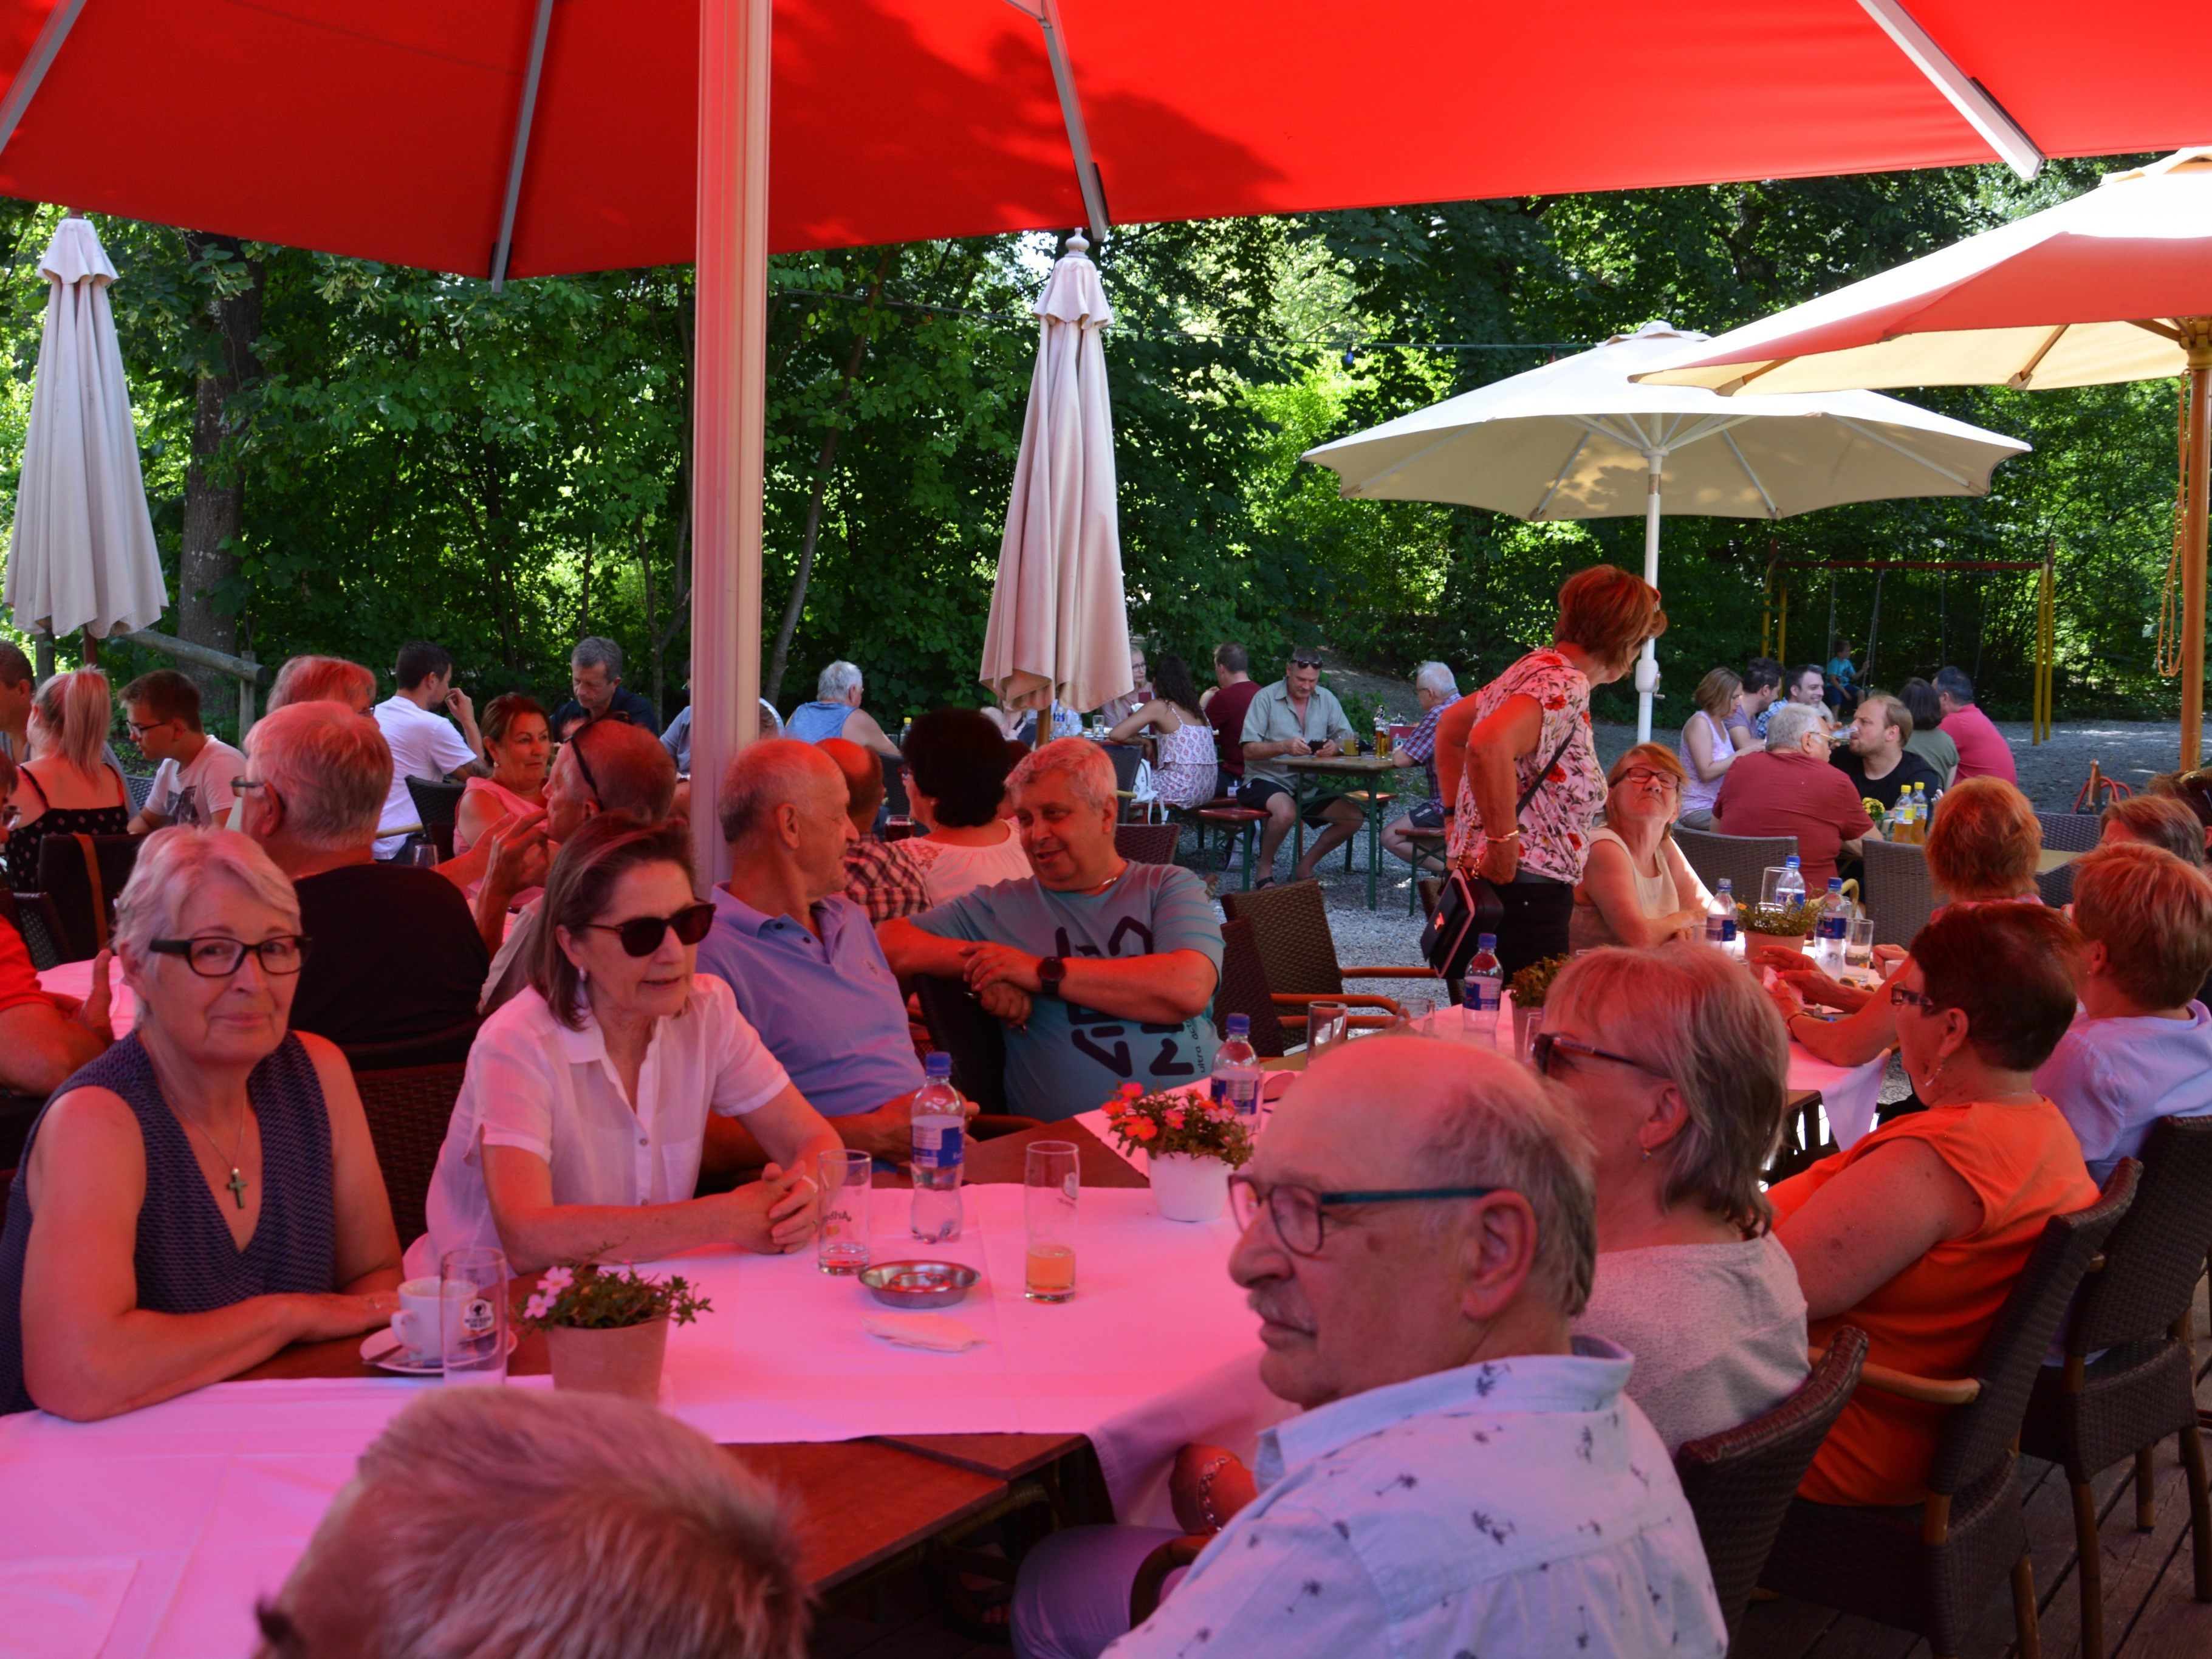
point(802, 957)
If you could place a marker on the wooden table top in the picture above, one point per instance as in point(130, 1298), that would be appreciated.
point(1358, 765)
point(864, 1501)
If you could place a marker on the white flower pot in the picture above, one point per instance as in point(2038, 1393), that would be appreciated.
point(1188, 1188)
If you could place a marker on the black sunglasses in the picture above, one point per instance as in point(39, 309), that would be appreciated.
point(1545, 1044)
point(641, 936)
point(592, 784)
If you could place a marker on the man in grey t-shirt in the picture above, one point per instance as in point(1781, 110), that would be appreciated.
point(1102, 969)
point(1296, 715)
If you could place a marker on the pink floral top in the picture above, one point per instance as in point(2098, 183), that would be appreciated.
point(1555, 826)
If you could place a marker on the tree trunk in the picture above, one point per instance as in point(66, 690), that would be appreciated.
point(772, 682)
point(214, 496)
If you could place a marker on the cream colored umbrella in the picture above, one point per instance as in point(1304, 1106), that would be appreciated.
point(2114, 285)
point(82, 553)
point(1060, 625)
point(1580, 439)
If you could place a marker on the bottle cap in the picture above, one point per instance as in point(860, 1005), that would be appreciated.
point(1791, 861)
point(1240, 1025)
point(1727, 885)
point(938, 1065)
point(1486, 942)
point(1835, 884)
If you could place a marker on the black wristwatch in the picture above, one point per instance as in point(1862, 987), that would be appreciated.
point(1050, 971)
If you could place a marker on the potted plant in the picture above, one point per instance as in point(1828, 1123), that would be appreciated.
point(1786, 925)
point(606, 1329)
point(1190, 1144)
point(1529, 988)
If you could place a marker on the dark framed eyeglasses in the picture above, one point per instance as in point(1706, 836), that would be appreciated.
point(1649, 775)
point(1899, 996)
point(1545, 1044)
point(215, 956)
point(139, 728)
point(1298, 1212)
point(641, 936)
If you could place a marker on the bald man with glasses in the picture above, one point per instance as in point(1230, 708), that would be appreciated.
point(1465, 1474)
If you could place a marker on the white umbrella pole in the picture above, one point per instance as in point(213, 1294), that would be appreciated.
point(729, 416)
point(2195, 482)
point(1647, 667)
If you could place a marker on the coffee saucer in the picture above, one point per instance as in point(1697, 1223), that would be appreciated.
point(382, 1349)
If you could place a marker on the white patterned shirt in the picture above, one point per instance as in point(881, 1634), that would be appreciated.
point(1556, 824)
point(1521, 1506)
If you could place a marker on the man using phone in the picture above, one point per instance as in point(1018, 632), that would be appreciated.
point(424, 743)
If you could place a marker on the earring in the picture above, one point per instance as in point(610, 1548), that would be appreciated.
point(583, 976)
point(1647, 1154)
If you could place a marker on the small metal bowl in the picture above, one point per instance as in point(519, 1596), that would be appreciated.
point(919, 1284)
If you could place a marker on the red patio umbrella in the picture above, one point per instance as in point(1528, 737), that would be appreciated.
point(520, 137)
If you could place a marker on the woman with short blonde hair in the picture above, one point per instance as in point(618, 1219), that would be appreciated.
point(1637, 888)
point(1706, 748)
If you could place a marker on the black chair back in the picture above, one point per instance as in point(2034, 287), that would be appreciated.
point(436, 806)
point(1147, 843)
point(1978, 1436)
point(975, 1039)
point(1740, 1480)
point(1290, 927)
point(408, 1110)
point(895, 796)
point(1744, 860)
point(1243, 990)
point(2156, 1254)
point(40, 924)
point(447, 1047)
point(83, 890)
point(1126, 757)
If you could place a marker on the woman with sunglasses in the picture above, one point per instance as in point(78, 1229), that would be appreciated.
point(1917, 1233)
point(1637, 888)
point(205, 1192)
point(578, 1128)
point(1674, 1062)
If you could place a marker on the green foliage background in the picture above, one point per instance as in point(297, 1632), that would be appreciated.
point(501, 473)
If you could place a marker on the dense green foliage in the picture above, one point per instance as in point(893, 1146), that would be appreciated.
point(423, 457)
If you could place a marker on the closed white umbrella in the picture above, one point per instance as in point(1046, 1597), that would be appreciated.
point(1578, 439)
point(1060, 625)
point(82, 554)
point(2114, 285)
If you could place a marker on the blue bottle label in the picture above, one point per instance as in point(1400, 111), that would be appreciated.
point(937, 1148)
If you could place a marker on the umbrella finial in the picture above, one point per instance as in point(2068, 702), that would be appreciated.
point(1078, 245)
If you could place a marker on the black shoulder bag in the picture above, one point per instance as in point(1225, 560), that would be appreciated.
point(1471, 905)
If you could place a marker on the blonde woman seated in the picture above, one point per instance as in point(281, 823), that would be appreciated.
point(205, 1192)
point(1983, 848)
point(1637, 888)
point(1707, 750)
point(1674, 1063)
point(578, 1128)
point(1916, 1234)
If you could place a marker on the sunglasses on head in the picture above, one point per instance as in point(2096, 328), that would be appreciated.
point(641, 936)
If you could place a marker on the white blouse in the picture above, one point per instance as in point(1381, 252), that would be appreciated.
point(535, 1084)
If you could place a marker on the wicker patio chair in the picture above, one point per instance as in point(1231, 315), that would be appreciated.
point(1740, 1482)
point(141, 788)
point(2089, 1413)
point(2055, 886)
point(449, 1046)
point(1897, 891)
point(1744, 860)
point(2070, 832)
point(33, 917)
point(1147, 843)
point(82, 889)
point(1289, 925)
point(975, 1040)
point(435, 807)
point(408, 1108)
point(1243, 990)
point(1931, 1566)
point(895, 796)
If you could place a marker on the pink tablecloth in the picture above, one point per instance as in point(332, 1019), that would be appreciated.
point(154, 1533)
point(75, 979)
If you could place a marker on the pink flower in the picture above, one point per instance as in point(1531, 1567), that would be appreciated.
point(1144, 1128)
point(1175, 1117)
point(539, 1306)
point(557, 1281)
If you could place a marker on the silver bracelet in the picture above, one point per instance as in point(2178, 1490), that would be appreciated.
point(1206, 1479)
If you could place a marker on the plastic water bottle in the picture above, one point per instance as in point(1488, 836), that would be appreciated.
point(1789, 887)
point(1720, 921)
point(940, 1136)
point(1834, 928)
point(1236, 1069)
point(1485, 987)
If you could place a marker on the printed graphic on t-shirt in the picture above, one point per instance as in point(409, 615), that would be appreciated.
point(1114, 1041)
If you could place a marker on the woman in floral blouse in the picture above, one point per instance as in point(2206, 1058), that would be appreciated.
point(1534, 717)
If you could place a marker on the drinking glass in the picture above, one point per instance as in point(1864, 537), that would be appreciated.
point(1858, 946)
point(841, 1245)
point(1420, 1016)
point(1326, 1025)
point(1767, 880)
point(1531, 1022)
point(423, 854)
point(1051, 1179)
point(474, 1296)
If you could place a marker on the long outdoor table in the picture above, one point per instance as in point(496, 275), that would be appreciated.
point(1356, 778)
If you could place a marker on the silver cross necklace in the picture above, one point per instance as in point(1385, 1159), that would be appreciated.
point(237, 1182)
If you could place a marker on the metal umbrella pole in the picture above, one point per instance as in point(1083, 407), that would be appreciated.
point(2196, 334)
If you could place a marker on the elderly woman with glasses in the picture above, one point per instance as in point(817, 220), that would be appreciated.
point(578, 1128)
point(1674, 1061)
point(1637, 888)
point(1917, 1233)
point(205, 1192)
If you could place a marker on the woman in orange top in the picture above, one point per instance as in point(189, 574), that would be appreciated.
point(1917, 1232)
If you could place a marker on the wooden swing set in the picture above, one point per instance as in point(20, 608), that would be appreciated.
point(1774, 623)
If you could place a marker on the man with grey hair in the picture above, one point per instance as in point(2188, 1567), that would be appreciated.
point(595, 668)
point(835, 711)
point(1789, 788)
point(505, 1523)
point(395, 953)
point(1102, 970)
point(1436, 688)
point(1466, 1476)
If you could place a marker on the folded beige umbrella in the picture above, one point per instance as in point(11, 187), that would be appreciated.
point(1060, 625)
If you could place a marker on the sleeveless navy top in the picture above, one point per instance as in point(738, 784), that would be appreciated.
point(187, 1260)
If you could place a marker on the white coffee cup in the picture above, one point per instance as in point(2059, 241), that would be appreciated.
point(417, 1324)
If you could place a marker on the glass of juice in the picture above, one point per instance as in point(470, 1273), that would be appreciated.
point(1051, 1184)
